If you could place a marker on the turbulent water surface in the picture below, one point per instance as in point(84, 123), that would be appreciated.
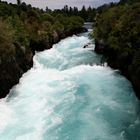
point(68, 95)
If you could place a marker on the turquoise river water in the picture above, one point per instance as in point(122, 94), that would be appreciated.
point(69, 95)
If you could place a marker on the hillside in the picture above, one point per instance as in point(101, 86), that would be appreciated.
point(117, 36)
point(24, 30)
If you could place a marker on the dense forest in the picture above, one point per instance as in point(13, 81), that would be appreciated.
point(24, 30)
point(117, 36)
point(88, 14)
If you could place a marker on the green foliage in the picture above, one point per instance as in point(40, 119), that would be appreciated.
point(87, 14)
point(118, 26)
point(24, 30)
point(6, 42)
point(30, 23)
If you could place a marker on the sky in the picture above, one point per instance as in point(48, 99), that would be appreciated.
point(58, 4)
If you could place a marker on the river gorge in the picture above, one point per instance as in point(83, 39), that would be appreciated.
point(69, 95)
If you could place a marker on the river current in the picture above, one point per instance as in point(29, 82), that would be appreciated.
point(69, 95)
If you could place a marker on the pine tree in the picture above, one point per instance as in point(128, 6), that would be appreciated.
point(18, 2)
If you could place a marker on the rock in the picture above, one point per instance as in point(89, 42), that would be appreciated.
point(21, 60)
point(121, 61)
point(99, 46)
point(12, 70)
point(89, 45)
point(55, 37)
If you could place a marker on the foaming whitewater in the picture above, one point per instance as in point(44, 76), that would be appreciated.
point(68, 95)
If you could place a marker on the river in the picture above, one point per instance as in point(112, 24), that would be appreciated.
point(68, 95)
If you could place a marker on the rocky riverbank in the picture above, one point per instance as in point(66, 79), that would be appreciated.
point(22, 60)
point(25, 29)
point(117, 61)
point(117, 37)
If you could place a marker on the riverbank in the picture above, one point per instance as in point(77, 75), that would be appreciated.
point(115, 61)
point(117, 37)
point(22, 61)
point(24, 30)
point(68, 95)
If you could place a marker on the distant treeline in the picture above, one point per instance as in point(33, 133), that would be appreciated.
point(87, 14)
point(117, 36)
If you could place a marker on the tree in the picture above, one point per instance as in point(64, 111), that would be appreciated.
point(18, 2)
point(66, 8)
point(47, 8)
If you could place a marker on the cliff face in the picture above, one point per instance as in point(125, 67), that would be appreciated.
point(12, 68)
point(122, 62)
point(117, 37)
point(47, 43)
point(25, 29)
